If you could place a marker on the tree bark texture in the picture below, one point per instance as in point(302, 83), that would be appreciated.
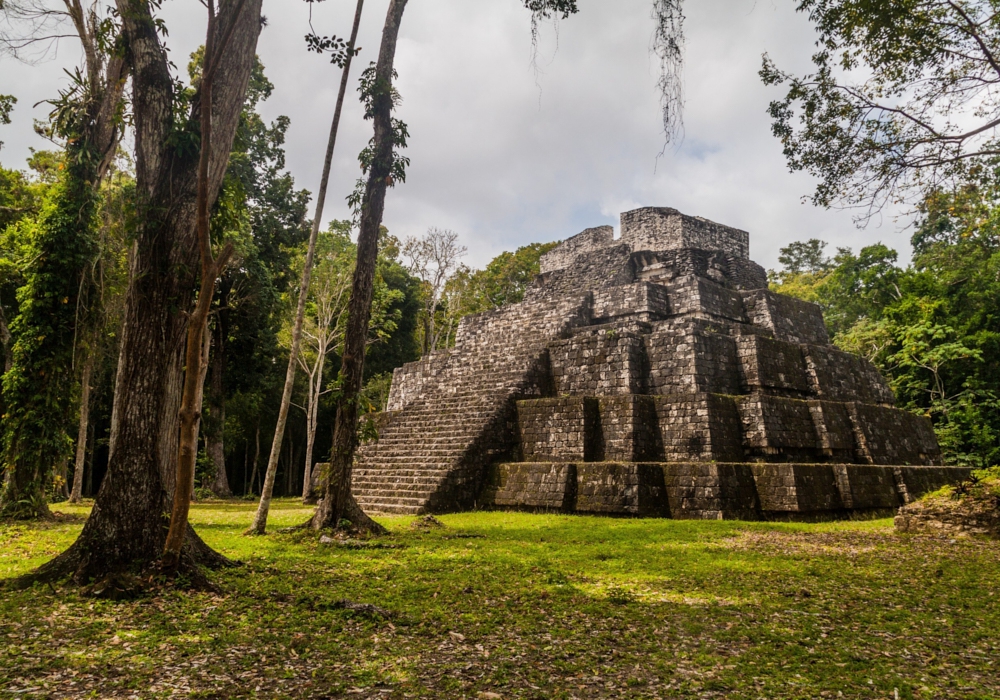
point(259, 525)
point(81, 435)
point(338, 503)
point(127, 527)
point(214, 428)
point(198, 339)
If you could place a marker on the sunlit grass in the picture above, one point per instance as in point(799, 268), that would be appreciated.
point(524, 605)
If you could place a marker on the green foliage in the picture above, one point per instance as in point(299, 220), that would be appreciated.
point(375, 393)
point(523, 605)
point(800, 257)
point(876, 120)
point(260, 210)
point(371, 88)
point(933, 328)
point(401, 302)
point(38, 400)
point(507, 276)
point(7, 103)
point(503, 281)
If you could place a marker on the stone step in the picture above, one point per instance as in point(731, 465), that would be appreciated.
point(371, 481)
point(411, 501)
point(390, 509)
point(398, 457)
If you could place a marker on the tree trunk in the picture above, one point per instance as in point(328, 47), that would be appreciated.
point(88, 471)
point(338, 503)
point(312, 418)
point(127, 527)
point(215, 426)
point(256, 458)
point(259, 525)
point(198, 339)
point(5, 339)
point(81, 434)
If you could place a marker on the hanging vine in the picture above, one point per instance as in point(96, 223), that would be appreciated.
point(668, 47)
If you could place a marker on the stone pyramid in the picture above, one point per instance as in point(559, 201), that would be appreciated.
point(654, 374)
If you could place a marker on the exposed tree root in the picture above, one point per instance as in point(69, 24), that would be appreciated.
point(98, 576)
point(354, 520)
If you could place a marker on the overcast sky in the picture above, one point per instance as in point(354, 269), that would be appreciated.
point(505, 156)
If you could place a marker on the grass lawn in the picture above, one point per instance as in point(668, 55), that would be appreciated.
point(509, 605)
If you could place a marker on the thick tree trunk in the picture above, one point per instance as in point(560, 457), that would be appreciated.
point(81, 435)
point(338, 503)
point(127, 527)
point(259, 525)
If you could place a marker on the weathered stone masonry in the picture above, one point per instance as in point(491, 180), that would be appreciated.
point(650, 375)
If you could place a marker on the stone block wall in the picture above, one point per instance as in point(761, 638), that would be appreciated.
point(411, 381)
point(776, 428)
point(602, 362)
point(771, 366)
point(558, 429)
point(699, 427)
point(627, 430)
point(511, 331)
point(642, 301)
point(690, 357)
point(746, 274)
point(790, 319)
point(565, 253)
point(704, 298)
point(834, 430)
point(661, 228)
point(607, 267)
point(629, 489)
point(893, 436)
point(912, 482)
point(529, 485)
point(841, 376)
point(797, 488)
point(711, 491)
point(866, 487)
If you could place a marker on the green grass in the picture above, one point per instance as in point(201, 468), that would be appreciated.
point(516, 605)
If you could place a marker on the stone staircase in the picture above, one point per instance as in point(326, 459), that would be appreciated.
point(431, 454)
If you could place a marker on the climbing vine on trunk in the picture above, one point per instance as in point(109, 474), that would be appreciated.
point(39, 408)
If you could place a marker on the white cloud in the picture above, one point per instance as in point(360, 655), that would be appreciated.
point(507, 158)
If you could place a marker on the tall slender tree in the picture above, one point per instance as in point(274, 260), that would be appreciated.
point(338, 503)
point(384, 166)
point(198, 341)
point(433, 257)
point(342, 55)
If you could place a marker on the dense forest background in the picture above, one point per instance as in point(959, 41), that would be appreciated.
point(932, 327)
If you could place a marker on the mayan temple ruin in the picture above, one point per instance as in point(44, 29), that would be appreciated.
point(654, 374)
